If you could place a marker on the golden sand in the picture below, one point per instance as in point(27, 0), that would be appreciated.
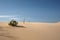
point(30, 31)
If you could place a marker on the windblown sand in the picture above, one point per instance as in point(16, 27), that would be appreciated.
point(30, 31)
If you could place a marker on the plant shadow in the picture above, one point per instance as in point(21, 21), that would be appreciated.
point(20, 26)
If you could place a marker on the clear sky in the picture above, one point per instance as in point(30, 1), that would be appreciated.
point(31, 10)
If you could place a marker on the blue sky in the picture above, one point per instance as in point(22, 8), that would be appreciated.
point(31, 10)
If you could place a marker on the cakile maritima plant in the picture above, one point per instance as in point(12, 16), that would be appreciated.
point(13, 23)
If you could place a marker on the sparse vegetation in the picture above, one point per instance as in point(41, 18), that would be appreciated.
point(13, 23)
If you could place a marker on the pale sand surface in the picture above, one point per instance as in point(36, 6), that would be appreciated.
point(30, 31)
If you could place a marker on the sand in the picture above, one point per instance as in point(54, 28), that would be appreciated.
point(30, 31)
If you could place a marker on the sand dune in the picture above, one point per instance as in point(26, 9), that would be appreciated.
point(30, 31)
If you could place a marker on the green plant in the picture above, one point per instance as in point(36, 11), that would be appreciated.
point(13, 23)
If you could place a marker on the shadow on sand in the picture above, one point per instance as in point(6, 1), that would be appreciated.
point(20, 26)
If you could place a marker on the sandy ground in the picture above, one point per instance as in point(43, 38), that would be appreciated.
point(30, 31)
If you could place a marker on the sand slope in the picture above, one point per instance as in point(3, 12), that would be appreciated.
point(30, 31)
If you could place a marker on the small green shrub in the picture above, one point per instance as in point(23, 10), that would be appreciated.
point(13, 23)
